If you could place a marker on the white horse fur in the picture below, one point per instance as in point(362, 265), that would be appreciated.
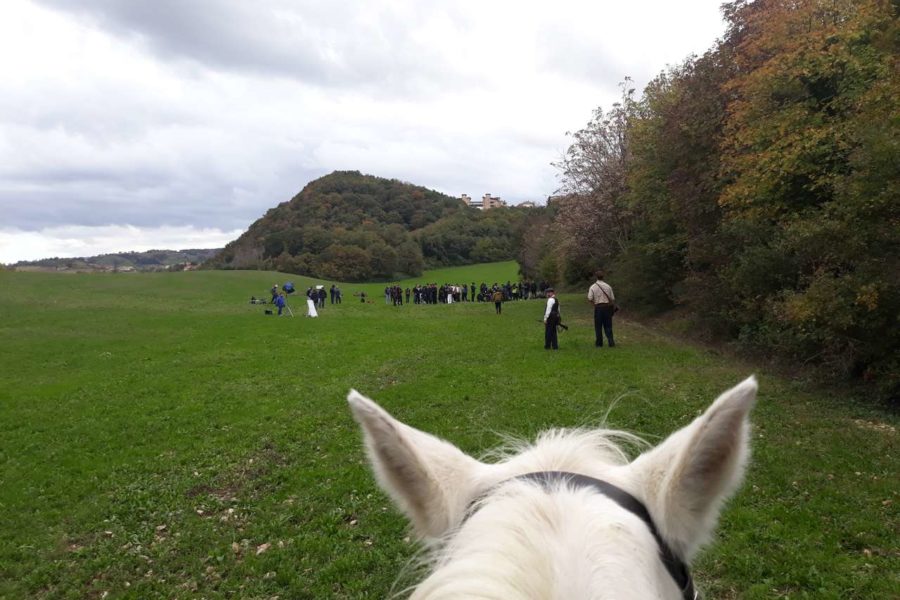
point(567, 543)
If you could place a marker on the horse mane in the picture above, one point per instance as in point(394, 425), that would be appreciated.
point(556, 448)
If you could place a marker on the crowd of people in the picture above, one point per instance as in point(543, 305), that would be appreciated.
point(448, 293)
point(600, 295)
point(315, 298)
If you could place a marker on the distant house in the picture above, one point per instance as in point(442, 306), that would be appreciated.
point(526, 204)
point(35, 269)
point(185, 266)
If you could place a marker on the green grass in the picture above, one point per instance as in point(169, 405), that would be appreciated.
point(156, 430)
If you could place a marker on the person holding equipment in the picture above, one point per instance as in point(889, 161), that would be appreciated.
point(551, 320)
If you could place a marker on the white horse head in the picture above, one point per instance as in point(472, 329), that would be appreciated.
point(568, 517)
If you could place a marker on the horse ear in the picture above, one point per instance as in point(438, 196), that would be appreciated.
point(688, 477)
point(429, 479)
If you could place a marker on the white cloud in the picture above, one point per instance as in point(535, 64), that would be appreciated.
point(205, 114)
point(78, 241)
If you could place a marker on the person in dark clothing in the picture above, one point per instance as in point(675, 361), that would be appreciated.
point(279, 302)
point(332, 293)
point(274, 291)
point(322, 296)
point(551, 321)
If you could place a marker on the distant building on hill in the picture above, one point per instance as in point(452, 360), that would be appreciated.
point(526, 204)
point(487, 202)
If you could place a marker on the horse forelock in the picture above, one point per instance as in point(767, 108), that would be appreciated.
point(578, 450)
point(521, 541)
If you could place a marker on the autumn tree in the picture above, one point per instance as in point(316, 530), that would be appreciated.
point(810, 196)
point(755, 188)
point(593, 215)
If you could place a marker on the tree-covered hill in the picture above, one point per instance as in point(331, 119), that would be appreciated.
point(354, 227)
point(150, 260)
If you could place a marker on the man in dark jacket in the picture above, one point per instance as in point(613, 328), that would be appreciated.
point(551, 321)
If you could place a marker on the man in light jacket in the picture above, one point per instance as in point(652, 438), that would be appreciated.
point(601, 296)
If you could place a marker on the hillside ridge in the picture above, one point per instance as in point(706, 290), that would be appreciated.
point(351, 226)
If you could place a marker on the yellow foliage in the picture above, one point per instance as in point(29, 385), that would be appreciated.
point(867, 297)
point(799, 309)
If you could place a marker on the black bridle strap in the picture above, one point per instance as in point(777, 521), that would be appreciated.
point(674, 565)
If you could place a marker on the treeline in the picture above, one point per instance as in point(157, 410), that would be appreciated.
point(755, 189)
point(150, 260)
point(353, 227)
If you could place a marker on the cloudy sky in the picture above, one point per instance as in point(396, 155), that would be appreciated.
point(133, 125)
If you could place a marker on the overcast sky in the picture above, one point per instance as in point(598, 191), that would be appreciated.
point(172, 124)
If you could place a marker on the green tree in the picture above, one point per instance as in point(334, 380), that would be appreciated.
point(344, 263)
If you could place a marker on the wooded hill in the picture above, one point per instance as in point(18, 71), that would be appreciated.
point(353, 227)
point(150, 260)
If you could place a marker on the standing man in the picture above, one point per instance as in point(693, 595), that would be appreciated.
point(601, 296)
point(274, 291)
point(551, 321)
point(497, 297)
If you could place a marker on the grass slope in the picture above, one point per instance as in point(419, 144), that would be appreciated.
point(161, 438)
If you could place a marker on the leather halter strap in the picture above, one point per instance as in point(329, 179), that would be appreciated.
point(674, 565)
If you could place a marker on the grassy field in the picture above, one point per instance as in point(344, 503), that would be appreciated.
point(161, 438)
